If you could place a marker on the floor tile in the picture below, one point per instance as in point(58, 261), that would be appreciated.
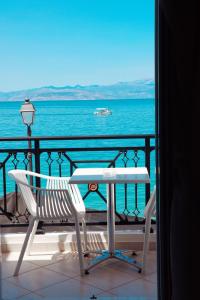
point(151, 265)
point(70, 288)
point(31, 296)
point(137, 288)
point(99, 297)
point(44, 259)
point(11, 291)
point(105, 295)
point(69, 266)
point(124, 298)
point(106, 278)
point(120, 266)
point(124, 267)
point(151, 277)
point(38, 279)
point(8, 267)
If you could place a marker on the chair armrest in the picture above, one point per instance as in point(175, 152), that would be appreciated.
point(33, 174)
point(40, 189)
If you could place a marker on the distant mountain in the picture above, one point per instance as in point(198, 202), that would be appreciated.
point(138, 89)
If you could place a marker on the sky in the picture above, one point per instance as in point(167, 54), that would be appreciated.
point(69, 42)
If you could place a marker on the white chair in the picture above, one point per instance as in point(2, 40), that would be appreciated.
point(58, 200)
point(149, 212)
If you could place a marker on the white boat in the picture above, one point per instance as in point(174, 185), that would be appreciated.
point(102, 111)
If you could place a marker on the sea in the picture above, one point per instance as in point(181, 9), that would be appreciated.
point(76, 117)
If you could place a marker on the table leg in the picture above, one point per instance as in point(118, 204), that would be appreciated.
point(111, 252)
point(111, 218)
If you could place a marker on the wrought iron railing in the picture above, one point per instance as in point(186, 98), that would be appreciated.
point(61, 155)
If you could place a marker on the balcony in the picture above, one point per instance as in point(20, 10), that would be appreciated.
point(54, 260)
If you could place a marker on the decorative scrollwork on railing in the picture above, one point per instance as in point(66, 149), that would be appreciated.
point(125, 158)
point(15, 160)
point(60, 162)
point(49, 161)
point(26, 160)
point(136, 212)
point(135, 158)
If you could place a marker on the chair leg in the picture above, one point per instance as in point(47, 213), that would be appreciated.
point(30, 227)
point(80, 253)
point(146, 243)
point(35, 225)
point(85, 235)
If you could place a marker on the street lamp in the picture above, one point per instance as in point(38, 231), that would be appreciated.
point(28, 113)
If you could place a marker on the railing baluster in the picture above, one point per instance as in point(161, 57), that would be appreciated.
point(60, 162)
point(37, 161)
point(4, 188)
point(3, 167)
point(147, 164)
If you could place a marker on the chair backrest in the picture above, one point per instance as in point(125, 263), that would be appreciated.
point(150, 209)
point(27, 194)
point(54, 204)
point(77, 198)
point(74, 193)
point(58, 200)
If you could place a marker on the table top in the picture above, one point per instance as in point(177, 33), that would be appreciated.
point(110, 175)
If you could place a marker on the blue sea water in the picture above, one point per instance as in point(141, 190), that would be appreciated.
point(76, 118)
point(56, 118)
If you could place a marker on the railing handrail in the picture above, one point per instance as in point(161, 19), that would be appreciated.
point(76, 137)
point(77, 149)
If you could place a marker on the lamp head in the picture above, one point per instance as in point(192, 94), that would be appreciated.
point(27, 112)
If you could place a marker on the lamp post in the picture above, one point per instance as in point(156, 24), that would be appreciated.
point(28, 113)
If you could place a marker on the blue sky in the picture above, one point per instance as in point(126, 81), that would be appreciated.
point(61, 42)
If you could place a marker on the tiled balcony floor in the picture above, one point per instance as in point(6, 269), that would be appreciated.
point(57, 277)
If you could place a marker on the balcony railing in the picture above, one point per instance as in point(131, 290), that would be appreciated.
point(61, 155)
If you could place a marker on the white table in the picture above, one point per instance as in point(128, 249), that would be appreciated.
point(111, 176)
